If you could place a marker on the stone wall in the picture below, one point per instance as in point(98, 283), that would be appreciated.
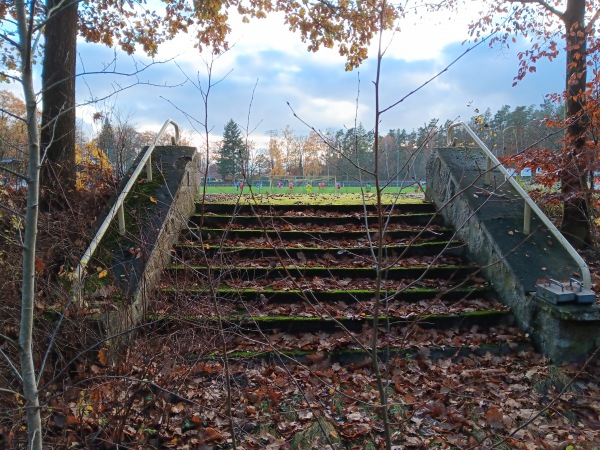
point(168, 213)
point(489, 219)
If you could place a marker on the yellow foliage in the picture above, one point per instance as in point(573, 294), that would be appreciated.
point(93, 166)
point(276, 157)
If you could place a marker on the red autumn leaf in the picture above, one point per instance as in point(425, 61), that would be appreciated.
point(39, 265)
point(212, 435)
point(494, 418)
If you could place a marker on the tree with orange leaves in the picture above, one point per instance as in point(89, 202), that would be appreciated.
point(554, 27)
point(134, 25)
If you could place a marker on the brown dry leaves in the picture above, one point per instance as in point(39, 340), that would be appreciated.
point(466, 402)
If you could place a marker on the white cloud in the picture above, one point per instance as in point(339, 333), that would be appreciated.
point(325, 112)
point(316, 85)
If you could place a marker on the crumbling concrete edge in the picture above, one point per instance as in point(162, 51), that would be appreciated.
point(122, 323)
point(560, 333)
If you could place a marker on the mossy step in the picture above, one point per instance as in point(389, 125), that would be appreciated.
point(269, 221)
point(445, 248)
point(300, 324)
point(411, 206)
point(217, 234)
point(400, 273)
point(354, 356)
point(348, 296)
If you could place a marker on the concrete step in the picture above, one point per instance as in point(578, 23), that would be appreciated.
point(301, 276)
point(304, 324)
point(349, 296)
point(287, 222)
point(300, 272)
point(281, 209)
point(395, 232)
point(195, 254)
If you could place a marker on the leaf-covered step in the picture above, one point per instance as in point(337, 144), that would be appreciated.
point(312, 306)
point(424, 340)
point(349, 296)
point(194, 254)
point(345, 357)
point(252, 273)
point(395, 233)
point(315, 222)
point(243, 323)
point(307, 209)
point(187, 282)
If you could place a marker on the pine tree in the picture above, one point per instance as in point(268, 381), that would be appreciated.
point(106, 141)
point(233, 154)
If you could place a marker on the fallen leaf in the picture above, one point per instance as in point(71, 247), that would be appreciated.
point(494, 418)
point(39, 265)
point(102, 356)
point(354, 417)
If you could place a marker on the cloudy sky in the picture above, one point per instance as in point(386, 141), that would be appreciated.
point(268, 67)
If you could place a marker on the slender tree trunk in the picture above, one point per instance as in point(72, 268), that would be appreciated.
point(58, 96)
point(576, 223)
point(30, 391)
point(379, 263)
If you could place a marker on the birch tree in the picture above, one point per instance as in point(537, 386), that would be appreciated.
point(26, 46)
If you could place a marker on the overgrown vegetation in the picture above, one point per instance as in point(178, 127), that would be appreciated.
point(472, 380)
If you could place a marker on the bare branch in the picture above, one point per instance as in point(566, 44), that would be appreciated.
point(16, 174)
point(9, 391)
point(356, 166)
point(14, 116)
point(544, 4)
point(593, 20)
point(135, 74)
point(437, 75)
point(39, 26)
point(16, 213)
point(53, 339)
point(9, 361)
point(9, 40)
point(117, 88)
point(11, 77)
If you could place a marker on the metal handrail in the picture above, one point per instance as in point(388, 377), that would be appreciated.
point(117, 208)
point(530, 205)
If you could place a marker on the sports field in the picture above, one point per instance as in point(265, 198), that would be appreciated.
point(302, 190)
point(326, 196)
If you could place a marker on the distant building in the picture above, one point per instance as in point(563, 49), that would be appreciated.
point(525, 173)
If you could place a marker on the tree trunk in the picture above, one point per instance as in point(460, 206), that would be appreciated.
point(30, 389)
point(576, 224)
point(58, 96)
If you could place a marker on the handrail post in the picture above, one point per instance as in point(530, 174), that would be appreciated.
point(121, 219)
point(526, 219)
point(488, 172)
point(149, 169)
point(177, 136)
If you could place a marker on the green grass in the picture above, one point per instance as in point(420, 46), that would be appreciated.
point(302, 190)
point(216, 195)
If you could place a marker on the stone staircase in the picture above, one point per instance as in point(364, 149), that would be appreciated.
point(301, 280)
